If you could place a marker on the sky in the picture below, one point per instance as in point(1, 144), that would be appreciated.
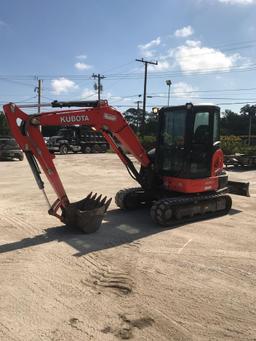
point(207, 48)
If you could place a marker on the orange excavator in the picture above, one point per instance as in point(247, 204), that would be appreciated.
point(181, 179)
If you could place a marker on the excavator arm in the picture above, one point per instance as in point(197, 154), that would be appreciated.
point(88, 213)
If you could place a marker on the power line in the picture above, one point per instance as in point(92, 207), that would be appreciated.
point(211, 50)
point(9, 80)
point(232, 103)
point(162, 104)
point(120, 66)
point(160, 95)
point(211, 90)
point(137, 75)
point(177, 97)
point(22, 101)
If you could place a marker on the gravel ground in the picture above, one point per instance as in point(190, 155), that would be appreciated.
point(131, 279)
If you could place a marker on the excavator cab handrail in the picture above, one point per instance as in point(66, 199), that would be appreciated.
point(63, 104)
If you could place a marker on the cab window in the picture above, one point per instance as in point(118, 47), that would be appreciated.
point(201, 128)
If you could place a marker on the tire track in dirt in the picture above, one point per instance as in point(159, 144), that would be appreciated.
point(20, 224)
point(134, 316)
point(106, 276)
point(6, 334)
point(135, 244)
point(58, 292)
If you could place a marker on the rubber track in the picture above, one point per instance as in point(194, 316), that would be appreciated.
point(188, 200)
point(121, 195)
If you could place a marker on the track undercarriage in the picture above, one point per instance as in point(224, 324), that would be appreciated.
point(176, 209)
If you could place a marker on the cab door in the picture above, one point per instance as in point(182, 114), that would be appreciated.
point(204, 142)
point(171, 151)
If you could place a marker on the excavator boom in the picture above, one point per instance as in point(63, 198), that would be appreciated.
point(88, 213)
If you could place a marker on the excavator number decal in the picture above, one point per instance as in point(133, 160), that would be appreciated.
point(109, 117)
point(78, 118)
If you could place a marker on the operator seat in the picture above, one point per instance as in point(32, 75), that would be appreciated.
point(202, 134)
point(200, 153)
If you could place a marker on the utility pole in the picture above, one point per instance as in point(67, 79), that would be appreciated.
point(138, 109)
point(98, 86)
point(250, 128)
point(169, 83)
point(38, 89)
point(138, 104)
point(146, 62)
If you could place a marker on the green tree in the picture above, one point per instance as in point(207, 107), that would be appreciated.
point(4, 128)
point(134, 117)
point(151, 124)
point(232, 123)
point(250, 112)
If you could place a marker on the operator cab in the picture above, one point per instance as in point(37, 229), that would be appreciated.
point(188, 137)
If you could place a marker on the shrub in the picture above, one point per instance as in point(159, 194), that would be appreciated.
point(234, 144)
point(148, 142)
point(249, 150)
point(231, 144)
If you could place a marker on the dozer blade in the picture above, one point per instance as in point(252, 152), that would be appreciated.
point(239, 188)
point(86, 214)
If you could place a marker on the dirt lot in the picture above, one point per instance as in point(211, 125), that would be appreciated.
point(130, 280)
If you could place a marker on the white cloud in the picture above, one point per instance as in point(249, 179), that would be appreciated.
point(106, 95)
point(81, 56)
point(163, 65)
point(63, 85)
point(147, 49)
point(88, 93)
point(148, 53)
point(238, 2)
point(118, 98)
point(184, 32)
point(93, 95)
point(152, 43)
point(193, 43)
point(194, 57)
point(82, 66)
point(183, 90)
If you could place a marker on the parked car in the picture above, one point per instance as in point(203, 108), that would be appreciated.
point(9, 149)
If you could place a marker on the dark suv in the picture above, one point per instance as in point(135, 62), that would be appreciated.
point(9, 149)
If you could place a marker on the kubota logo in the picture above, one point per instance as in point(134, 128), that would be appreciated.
point(71, 119)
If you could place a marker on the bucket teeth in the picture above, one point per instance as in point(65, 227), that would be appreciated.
point(88, 196)
point(86, 214)
point(103, 200)
point(94, 196)
point(108, 203)
point(98, 199)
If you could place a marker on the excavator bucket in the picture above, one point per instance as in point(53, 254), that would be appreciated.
point(86, 214)
point(239, 188)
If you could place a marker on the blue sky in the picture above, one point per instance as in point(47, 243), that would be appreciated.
point(206, 47)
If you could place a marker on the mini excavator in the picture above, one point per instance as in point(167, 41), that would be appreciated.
point(181, 179)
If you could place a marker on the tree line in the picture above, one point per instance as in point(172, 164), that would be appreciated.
point(231, 123)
